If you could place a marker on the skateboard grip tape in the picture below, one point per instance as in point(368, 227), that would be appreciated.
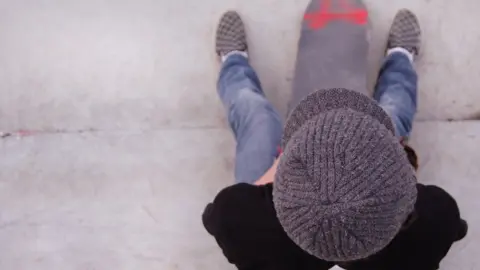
point(332, 50)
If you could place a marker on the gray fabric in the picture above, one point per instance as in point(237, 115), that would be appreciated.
point(344, 185)
point(326, 100)
point(231, 35)
point(332, 56)
point(405, 32)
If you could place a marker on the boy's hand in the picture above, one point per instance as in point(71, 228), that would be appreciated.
point(269, 176)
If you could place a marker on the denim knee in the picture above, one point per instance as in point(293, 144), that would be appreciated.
point(401, 108)
point(249, 108)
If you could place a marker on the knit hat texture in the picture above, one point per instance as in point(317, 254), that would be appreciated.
point(344, 185)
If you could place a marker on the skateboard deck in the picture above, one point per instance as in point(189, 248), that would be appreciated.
point(333, 48)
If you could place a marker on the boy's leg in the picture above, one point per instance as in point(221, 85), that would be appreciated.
point(396, 89)
point(255, 123)
point(396, 92)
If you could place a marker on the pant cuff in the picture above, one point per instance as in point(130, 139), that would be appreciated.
point(401, 50)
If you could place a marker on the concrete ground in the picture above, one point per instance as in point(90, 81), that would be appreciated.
point(118, 139)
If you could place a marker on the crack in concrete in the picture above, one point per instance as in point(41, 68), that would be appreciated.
point(28, 133)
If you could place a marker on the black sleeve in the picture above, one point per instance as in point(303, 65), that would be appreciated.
point(219, 216)
point(447, 225)
point(239, 220)
point(449, 211)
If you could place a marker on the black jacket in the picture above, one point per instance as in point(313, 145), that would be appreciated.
point(243, 221)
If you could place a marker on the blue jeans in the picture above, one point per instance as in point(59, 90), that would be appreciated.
point(257, 126)
point(396, 92)
point(254, 121)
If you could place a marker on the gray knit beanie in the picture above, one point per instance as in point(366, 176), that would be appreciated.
point(344, 185)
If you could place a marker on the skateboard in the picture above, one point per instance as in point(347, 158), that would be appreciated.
point(333, 48)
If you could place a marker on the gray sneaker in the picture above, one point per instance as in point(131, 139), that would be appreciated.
point(405, 32)
point(231, 34)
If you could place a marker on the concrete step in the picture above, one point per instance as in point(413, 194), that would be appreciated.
point(143, 64)
point(123, 200)
point(133, 200)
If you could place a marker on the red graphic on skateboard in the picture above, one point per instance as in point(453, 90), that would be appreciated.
point(324, 15)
